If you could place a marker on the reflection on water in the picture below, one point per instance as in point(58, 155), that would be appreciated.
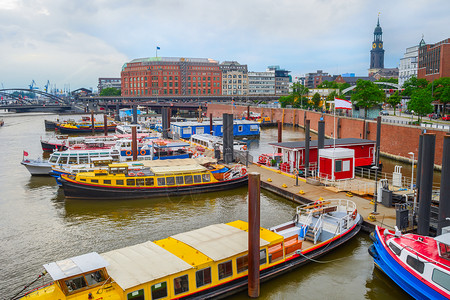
point(39, 226)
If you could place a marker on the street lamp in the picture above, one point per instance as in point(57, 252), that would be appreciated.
point(412, 170)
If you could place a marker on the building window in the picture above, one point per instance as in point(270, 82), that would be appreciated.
point(203, 277)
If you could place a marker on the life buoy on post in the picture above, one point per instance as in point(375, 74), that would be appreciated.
point(128, 153)
point(244, 147)
point(143, 152)
point(295, 172)
point(318, 204)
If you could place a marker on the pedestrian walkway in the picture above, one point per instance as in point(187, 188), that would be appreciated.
point(285, 185)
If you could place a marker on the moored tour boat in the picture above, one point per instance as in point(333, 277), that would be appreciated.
point(420, 265)
point(158, 178)
point(85, 127)
point(205, 263)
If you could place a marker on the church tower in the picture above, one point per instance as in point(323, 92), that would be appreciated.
point(377, 52)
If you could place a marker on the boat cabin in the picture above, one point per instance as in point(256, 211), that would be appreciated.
point(336, 163)
point(443, 243)
point(241, 128)
point(80, 157)
point(293, 153)
point(79, 273)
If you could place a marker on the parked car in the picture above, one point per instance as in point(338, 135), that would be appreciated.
point(434, 116)
point(384, 113)
point(446, 118)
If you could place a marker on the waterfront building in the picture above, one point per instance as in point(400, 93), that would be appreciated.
point(282, 80)
point(241, 128)
point(153, 76)
point(312, 80)
point(434, 60)
point(377, 52)
point(408, 65)
point(109, 83)
point(261, 83)
point(234, 78)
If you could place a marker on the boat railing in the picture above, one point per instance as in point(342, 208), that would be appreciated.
point(341, 205)
point(317, 230)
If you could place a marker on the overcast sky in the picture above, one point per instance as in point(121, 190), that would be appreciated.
point(75, 42)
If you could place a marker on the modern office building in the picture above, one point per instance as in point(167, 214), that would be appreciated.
point(154, 76)
point(234, 78)
point(408, 65)
point(282, 80)
point(434, 60)
point(261, 83)
point(109, 83)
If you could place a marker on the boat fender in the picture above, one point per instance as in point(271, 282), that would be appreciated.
point(131, 174)
point(128, 153)
point(373, 252)
point(372, 236)
point(355, 212)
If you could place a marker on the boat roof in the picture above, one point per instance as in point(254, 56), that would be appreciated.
point(178, 162)
point(217, 241)
point(138, 264)
point(75, 266)
point(173, 145)
point(193, 168)
point(327, 142)
point(443, 238)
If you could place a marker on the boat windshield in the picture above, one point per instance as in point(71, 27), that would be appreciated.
point(54, 158)
point(444, 251)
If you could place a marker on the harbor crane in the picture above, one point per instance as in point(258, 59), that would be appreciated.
point(33, 85)
point(47, 85)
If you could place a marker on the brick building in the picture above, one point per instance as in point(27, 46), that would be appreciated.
point(434, 60)
point(155, 76)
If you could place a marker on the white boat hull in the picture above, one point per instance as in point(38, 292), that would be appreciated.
point(37, 168)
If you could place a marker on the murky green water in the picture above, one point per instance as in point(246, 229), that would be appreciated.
point(38, 226)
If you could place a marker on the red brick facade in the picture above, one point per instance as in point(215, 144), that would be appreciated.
point(396, 140)
point(171, 76)
point(434, 61)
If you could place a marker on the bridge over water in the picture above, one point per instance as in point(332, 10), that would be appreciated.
point(17, 103)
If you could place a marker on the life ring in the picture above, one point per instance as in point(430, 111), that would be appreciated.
point(143, 152)
point(318, 204)
point(131, 174)
point(295, 171)
point(355, 212)
point(243, 171)
point(140, 174)
point(244, 147)
point(128, 153)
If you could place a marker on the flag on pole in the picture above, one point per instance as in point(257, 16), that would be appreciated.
point(234, 104)
point(157, 48)
point(342, 104)
point(25, 153)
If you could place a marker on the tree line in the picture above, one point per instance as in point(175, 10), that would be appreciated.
point(367, 94)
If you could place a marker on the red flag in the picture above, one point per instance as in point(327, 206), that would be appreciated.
point(25, 153)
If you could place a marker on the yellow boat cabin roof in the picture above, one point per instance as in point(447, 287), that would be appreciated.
point(219, 241)
point(178, 169)
point(264, 233)
point(138, 264)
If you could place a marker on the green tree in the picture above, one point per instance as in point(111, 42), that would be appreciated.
point(390, 80)
point(441, 90)
point(367, 94)
point(394, 100)
point(330, 98)
point(316, 101)
point(110, 91)
point(412, 84)
point(420, 102)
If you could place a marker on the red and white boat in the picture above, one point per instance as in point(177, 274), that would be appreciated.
point(420, 265)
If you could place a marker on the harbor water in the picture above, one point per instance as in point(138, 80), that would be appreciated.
point(39, 226)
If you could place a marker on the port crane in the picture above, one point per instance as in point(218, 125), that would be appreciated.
point(33, 85)
point(47, 85)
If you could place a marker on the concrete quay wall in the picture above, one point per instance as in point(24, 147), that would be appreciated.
point(396, 140)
